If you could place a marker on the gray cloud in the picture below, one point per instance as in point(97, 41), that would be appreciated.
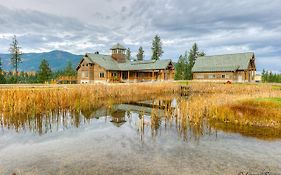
point(218, 26)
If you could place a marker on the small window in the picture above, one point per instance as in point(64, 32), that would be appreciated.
point(101, 74)
point(222, 76)
point(114, 74)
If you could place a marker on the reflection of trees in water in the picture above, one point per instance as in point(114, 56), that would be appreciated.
point(162, 114)
point(172, 114)
point(42, 124)
point(173, 118)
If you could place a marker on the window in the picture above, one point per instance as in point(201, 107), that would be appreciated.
point(101, 74)
point(211, 76)
point(222, 76)
point(114, 74)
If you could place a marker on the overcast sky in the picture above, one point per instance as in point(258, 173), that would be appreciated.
point(79, 26)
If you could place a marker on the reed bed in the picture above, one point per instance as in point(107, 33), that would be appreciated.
point(42, 100)
point(236, 104)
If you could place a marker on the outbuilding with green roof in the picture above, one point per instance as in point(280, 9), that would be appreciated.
point(238, 67)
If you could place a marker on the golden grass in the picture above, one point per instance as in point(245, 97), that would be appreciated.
point(42, 100)
point(236, 104)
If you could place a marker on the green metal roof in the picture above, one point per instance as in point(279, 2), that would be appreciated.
point(228, 62)
point(118, 46)
point(107, 62)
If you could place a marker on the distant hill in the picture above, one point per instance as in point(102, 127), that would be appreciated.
point(31, 61)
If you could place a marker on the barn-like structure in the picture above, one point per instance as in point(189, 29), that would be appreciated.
point(239, 67)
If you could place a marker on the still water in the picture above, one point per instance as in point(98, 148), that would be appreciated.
point(147, 137)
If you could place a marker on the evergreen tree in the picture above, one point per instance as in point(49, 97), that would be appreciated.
point(140, 54)
point(2, 78)
point(193, 55)
point(128, 54)
point(269, 77)
point(180, 68)
point(45, 72)
point(15, 55)
point(69, 70)
point(157, 50)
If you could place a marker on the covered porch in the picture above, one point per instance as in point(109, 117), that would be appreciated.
point(139, 76)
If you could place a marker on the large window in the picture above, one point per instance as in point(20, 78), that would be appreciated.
point(101, 74)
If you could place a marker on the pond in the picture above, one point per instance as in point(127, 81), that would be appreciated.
point(145, 137)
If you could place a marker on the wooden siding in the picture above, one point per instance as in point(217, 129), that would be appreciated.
point(239, 76)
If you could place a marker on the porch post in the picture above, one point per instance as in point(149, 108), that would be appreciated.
point(129, 76)
point(152, 75)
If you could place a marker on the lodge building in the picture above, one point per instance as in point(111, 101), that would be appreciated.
point(239, 67)
point(95, 67)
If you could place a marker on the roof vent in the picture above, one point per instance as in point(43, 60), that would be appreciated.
point(97, 52)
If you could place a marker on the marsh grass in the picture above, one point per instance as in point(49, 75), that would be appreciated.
point(42, 100)
point(241, 105)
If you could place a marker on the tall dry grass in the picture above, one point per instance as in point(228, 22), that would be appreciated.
point(236, 104)
point(42, 100)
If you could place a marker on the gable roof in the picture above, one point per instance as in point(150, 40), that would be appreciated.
point(107, 62)
point(228, 62)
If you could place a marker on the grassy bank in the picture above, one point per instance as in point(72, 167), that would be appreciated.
point(241, 105)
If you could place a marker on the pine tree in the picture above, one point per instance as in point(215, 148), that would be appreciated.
point(140, 54)
point(2, 78)
point(157, 50)
point(15, 55)
point(128, 54)
point(180, 69)
point(193, 55)
point(45, 72)
point(69, 70)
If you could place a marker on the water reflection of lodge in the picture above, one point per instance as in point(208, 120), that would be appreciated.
point(118, 117)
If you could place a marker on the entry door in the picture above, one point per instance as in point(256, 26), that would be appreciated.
point(124, 75)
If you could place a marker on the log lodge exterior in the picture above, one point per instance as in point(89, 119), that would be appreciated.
point(117, 68)
point(239, 67)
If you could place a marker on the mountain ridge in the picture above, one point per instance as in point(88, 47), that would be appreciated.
point(57, 60)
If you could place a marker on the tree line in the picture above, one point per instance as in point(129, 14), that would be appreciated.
point(269, 77)
point(44, 73)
